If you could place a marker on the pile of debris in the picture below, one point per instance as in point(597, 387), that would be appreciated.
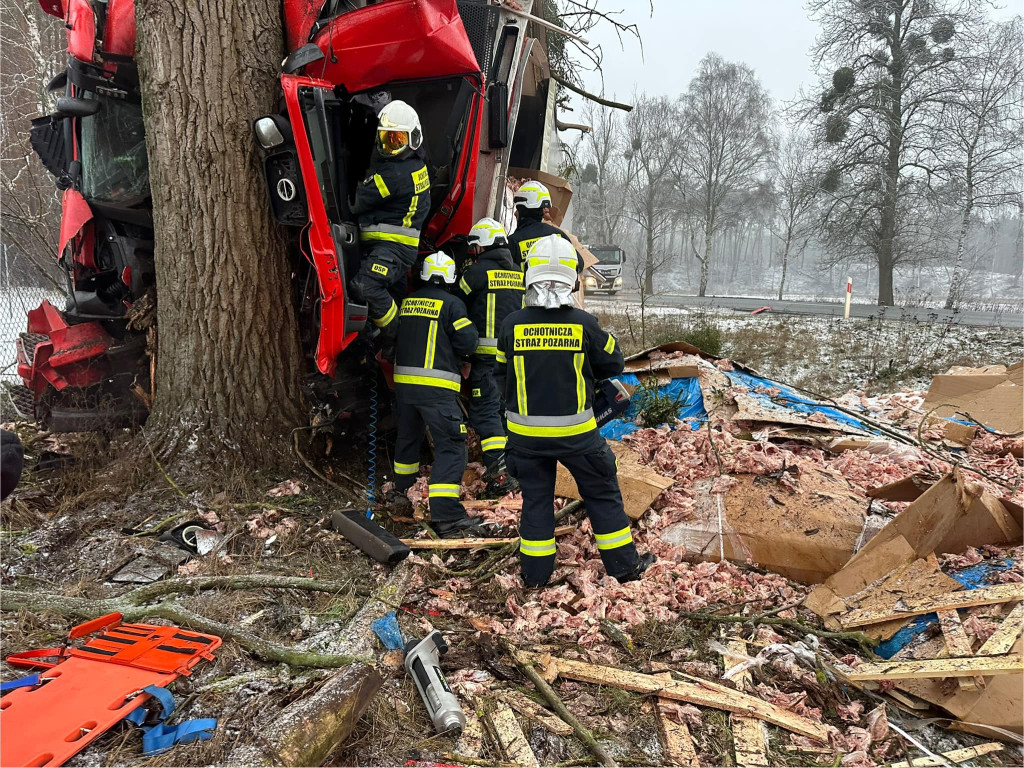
point(893, 521)
point(838, 582)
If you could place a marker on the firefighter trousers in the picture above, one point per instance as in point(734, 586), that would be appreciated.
point(380, 281)
point(485, 409)
point(597, 480)
point(443, 418)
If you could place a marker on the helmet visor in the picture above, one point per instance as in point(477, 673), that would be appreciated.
point(391, 142)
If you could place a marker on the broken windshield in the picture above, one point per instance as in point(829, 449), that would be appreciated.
point(115, 167)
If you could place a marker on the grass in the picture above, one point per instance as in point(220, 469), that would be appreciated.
point(829, 356)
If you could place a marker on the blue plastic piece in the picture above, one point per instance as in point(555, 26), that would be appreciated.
point(789, 399)
point(386, 628)
point(160, 738)
point(21, 682)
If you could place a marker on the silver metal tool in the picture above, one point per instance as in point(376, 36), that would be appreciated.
point(422, 662)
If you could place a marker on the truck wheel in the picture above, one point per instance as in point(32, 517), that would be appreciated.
point(612, 293)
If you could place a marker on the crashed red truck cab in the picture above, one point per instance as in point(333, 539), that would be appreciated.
point(478, 82)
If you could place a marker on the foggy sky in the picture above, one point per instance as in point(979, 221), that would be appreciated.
point(772, 36)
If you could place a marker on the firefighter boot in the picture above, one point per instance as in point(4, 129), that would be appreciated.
point(463, 528)
point(499, 481)
point(645, 562)
point(397, 503)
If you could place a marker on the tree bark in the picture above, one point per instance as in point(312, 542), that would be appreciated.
point(956, 283)
point(229, 359)
point(785, 262)
point(705, 264)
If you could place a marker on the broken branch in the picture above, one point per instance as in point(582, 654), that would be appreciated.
point(527, 668)
point(592, 97)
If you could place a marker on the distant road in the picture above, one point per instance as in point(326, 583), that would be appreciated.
point(921, 314)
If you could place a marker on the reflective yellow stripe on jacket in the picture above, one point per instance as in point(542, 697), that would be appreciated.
point(550, 426)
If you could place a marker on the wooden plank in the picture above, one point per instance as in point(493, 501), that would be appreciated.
point(954, 756)
point(1002, 639)
point(530, 709)
point(909, 670)
point(511, 739)
point(676, 742)
point(810, 750)
point(471, 742)
point(1003, 593)
point(701, 692)
point(747, 732)
point(479, 543)
point(958, 646)
point(510, 504)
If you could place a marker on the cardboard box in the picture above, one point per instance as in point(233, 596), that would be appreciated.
point(640, 485)
point(806, 536)
point(992, 396)
point(952, 515)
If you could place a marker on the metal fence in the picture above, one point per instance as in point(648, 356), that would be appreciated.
point(15, 302)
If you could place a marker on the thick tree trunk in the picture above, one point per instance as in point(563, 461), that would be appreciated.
point(956, 283)
point(229, 360)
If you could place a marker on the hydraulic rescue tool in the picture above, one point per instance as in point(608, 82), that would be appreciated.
point(422, 662)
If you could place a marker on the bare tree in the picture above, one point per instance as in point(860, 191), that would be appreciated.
point(978, 133)
point(884, 66)
point(726, 121)
point(651, 140)
point(601, 177)
point(30, 55)
point(795, 177)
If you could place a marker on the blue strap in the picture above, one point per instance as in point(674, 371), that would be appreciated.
point(159, 738)
point(23, 682)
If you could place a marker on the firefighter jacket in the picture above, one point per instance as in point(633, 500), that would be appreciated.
point(550, 359)
point(527, 233)
point(493, 288)
point(393, 201)
point(434, 335)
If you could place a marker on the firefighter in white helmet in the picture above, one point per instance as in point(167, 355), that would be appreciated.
point(391, 204)
point(552, 353)
point(493, 288)
point(531, 200)
point(434, 337)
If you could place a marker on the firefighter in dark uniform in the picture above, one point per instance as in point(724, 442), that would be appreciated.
point(531, 200)
point(434, 336)
point(553, 353)
point(493, 288)
point(391, 205)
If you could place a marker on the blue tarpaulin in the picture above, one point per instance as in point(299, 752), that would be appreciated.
point(691, 403)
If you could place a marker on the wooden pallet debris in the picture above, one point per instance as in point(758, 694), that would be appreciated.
point(676, 742)
point(511, 739)
point(531, 710)
point(694, 691)
point(510, 504)
point(1002, 593)
point(909, 670)
point(477, 543)
point(958, 646)
point(1002, 639)
point(471, 742)
point(747, 732)
point(954, 756)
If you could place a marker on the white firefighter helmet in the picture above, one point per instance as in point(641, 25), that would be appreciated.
point(398, 129)
point(440, 265)
point(532, 195)
point(551, 258)
point(487, 232)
